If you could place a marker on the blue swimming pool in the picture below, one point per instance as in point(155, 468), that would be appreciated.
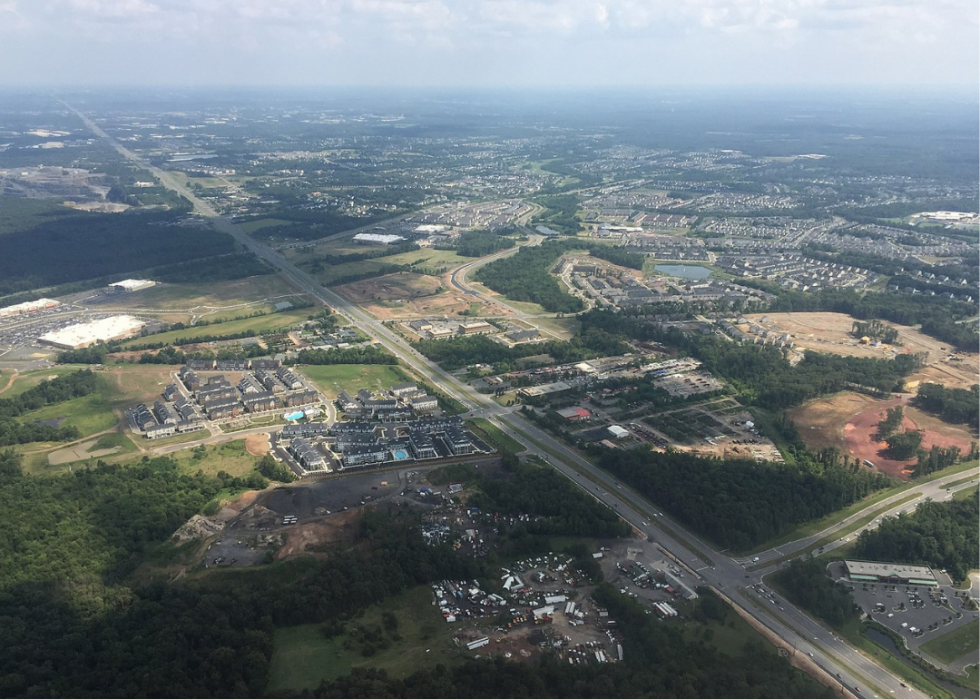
point(294, 416)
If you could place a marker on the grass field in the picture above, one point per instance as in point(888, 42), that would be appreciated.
point(303, 657)
point(229, 457)
point(493, 434)
point(334, 378)
point(428, 258)
point(272, 321)
point(89, 414)
point(955, 644)
point(29, 379)
point(964, 494)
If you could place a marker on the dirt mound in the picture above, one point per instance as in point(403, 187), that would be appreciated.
point(305, 538)
point(198, 527)
point(257, 444)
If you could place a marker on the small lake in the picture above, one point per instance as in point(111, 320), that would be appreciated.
point(685, 271)
point(886, 642)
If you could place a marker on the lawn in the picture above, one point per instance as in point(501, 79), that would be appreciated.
point(964, 494)
point(491, 433)
point(332, 379)
point(955, 644)
point(269, 322)
point(428, 258)
point(303, 657)
point(252, 226)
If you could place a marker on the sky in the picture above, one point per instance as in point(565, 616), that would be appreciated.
point(449, 43)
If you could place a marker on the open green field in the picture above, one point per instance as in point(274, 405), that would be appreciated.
point(303, 657)
point(26, 380)
point(229, 457)
point(220, 299)
point(964, 494)
point(428, 257)
point(334, 378)
point(489, 432)
point(89, 414)
point(272, 321)
point(955, 644)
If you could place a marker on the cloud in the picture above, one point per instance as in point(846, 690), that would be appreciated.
point(503, 40)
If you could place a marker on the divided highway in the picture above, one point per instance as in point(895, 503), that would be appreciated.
point(712, 568)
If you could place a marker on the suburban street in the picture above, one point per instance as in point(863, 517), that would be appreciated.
point(727, 574)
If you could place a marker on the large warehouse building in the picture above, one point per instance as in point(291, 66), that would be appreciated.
point(86, 334)
point(894, 573)
point(27, 307)
point(131, 285)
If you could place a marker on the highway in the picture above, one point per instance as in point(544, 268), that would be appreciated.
point(717, 569)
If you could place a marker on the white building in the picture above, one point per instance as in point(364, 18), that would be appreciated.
point(131, 285)
point(377, 239)
point(85, 334)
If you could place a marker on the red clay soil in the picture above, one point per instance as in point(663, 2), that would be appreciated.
point(860, 432)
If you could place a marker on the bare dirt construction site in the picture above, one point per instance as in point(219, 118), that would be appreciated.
point(849, 421)
point(831, 333)
point(413, 296)
point(257, 444)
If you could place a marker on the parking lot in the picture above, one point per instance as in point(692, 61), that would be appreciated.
point(930, 611)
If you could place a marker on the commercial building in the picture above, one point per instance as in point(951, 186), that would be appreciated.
point(86, 334)
point(618, 432)
point(475, 327)
point(28, 307)
point(378, 239)
point(131, 285)
point(575, 414)
point(894, 573)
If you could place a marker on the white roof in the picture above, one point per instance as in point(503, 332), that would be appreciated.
point(618, 431)
point(94, 331)
point(133, 283)
point(378, 238)
point(28, 306)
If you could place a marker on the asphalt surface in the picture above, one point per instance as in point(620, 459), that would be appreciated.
point(714, 568)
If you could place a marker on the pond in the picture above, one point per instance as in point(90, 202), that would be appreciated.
point(685, 271)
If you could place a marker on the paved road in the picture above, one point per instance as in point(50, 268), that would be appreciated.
point(714, 568)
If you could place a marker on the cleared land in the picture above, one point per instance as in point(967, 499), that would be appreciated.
point(303, 657)
point(269, 322)
point(210, 301)
point(412, 296)
point(849, 421)
point(334, 378)
point(230, 457)
point(954, 645)
point(831, 333)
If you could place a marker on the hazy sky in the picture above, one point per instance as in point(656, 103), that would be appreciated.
point(489, 42)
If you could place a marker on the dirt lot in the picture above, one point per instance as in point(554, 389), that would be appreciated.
point(849, 422)
point(257, 444)
point(831, 332)
point(411, 296)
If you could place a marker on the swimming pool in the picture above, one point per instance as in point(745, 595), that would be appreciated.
point(294, 416)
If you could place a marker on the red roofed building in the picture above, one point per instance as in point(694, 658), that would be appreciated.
point(575, 414)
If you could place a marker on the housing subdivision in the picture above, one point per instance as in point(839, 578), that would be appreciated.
point(263, 386)
point(397, 425)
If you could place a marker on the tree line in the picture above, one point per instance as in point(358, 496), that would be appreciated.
point(937, 534)
point(741, 503)
point(369, 354)
point(481, 243)
point(525, 276)
point(955, 405)
point(806, 583)
point(48, 392)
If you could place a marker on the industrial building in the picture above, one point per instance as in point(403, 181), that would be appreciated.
point(378, 239)
point(86, 334)
point(28, 307)
point(893, 573)
point(131, 285)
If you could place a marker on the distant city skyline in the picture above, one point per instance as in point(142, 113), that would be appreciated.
point(574, 43)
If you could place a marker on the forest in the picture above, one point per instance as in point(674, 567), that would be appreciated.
point(57, 390)
point(941, 535)
point(618, 255)
point(739, 504)
point(955, 405)
point(526, 276)
point(87, 245)
point(805, 582)
point(351, 355)
point(481, 243)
